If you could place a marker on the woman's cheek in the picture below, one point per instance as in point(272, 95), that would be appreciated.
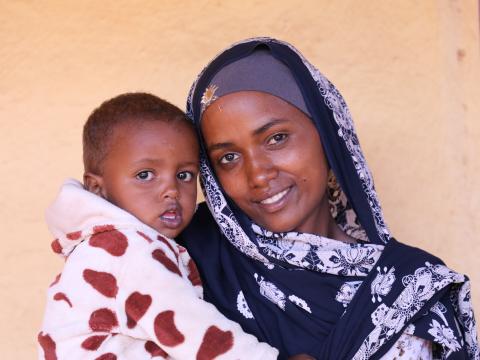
point(234, 185)
point(288, 157)
point(226, 181)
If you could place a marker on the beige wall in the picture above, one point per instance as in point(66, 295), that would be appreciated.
point(408, 69)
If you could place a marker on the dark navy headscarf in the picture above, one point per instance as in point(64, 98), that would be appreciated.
point(304, 293)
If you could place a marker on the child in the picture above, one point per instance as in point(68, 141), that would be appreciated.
point(127, 290)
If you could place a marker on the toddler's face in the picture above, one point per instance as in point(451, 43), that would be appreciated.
point(151, 171)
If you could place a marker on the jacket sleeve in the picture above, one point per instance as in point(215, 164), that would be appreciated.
point(157, 303)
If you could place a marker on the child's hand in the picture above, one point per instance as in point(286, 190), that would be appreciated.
point(301, 357)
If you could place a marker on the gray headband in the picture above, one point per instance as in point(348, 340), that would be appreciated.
point(259, 71)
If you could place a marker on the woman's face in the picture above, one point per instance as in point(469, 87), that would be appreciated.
point(269, 159)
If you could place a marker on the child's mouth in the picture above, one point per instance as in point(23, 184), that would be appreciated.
point(171, 219)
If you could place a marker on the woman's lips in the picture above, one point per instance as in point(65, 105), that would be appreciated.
point(275, 198)
point(172, 219)
point(275, 202)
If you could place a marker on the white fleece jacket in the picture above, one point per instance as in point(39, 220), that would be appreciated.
point(127, 292)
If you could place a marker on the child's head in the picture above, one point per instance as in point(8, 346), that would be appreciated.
point(141, 153)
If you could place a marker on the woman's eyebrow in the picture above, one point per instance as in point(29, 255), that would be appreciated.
point(267, 126)
point(219, 146)
point(256, 132)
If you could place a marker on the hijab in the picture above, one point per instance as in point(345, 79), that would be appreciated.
point(305, 293)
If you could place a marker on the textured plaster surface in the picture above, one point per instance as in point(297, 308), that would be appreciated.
point(408, 69)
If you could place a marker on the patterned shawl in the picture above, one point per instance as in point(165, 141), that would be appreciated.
point(304, 293)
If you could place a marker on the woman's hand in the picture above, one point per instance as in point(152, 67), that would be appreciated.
point(301, 357)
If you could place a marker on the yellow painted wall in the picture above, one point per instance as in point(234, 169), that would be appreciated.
point(408, 69)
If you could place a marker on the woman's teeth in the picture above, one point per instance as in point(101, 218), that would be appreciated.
point(274, 198)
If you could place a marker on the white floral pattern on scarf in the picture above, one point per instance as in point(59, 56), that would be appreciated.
point(347, 292)
point(302, 304)
point(270, 291)
point(382, 284)
point(461, 300)
point(242, 306)
point(318, 253)
point(419, 288)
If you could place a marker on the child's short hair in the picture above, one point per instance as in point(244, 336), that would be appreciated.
point(124, 108)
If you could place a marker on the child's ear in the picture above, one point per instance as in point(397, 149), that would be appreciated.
point(94, 184)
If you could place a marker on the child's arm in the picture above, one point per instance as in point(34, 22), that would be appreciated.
point(157, 304)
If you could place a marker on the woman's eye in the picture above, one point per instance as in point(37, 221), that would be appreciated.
point(185, 176)
point(277, 138)
point(228, 158)
point(145, 175)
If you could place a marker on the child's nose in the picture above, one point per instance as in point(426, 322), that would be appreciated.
point(170, 191)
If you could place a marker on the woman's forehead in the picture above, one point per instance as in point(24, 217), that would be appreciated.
point(249, 103)
point(249, 112)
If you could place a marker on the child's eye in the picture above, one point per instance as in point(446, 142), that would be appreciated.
point(228, 158)
point(185, 176)
point(145, 175)
point(277, 138)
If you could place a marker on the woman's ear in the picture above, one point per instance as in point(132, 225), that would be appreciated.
point(94, 184)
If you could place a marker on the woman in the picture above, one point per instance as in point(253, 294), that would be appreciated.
point(300, 254)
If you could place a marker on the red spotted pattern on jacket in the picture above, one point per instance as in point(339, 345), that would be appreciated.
point(109, 239)
point(104, 282)
point(136, 306)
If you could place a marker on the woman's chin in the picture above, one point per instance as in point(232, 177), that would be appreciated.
point(277, 227)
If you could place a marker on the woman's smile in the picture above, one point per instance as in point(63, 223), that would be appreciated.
point(275, 198)
point(276, 202)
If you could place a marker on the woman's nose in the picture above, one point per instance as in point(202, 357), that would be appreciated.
point(260, 171)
